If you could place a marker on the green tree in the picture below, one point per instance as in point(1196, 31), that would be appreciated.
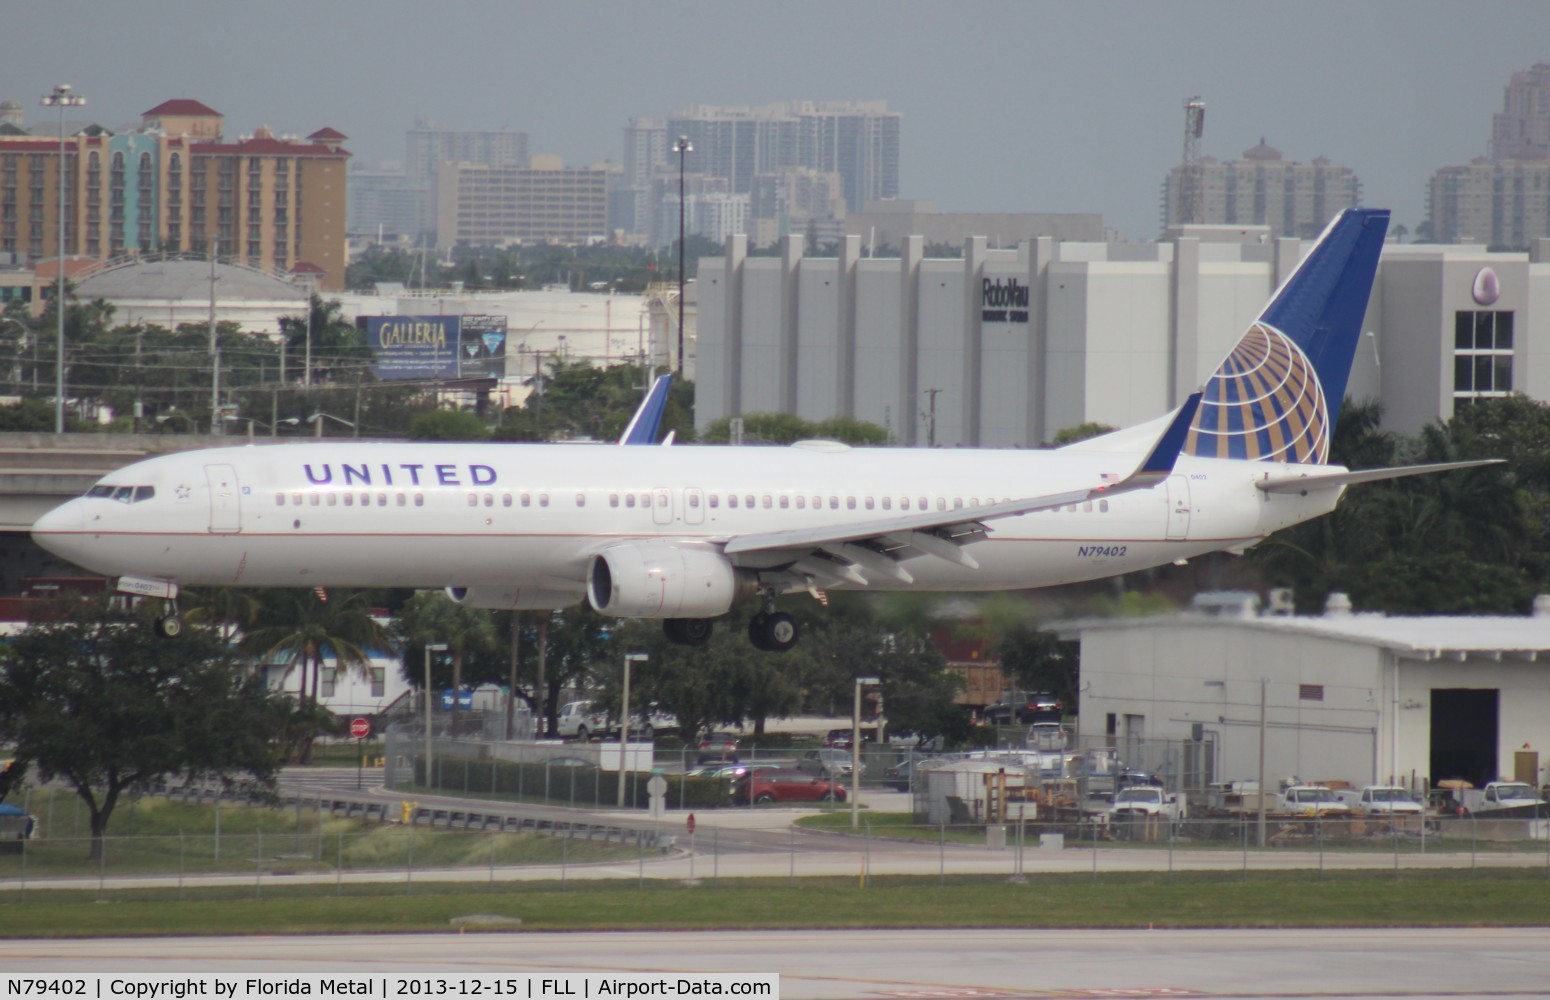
point(448, 425)
point(90, 697)
point(431, 617)
point(339, 348)
point(301, 628)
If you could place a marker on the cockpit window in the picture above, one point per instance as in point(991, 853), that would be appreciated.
point(123, 494)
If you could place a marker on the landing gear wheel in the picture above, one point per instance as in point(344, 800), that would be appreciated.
point(774, 632)
point(168, 626)
point(688, 631)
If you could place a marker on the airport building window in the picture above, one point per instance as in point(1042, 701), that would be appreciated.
point(1482, 355)
point(330, 682)
point(379, 675)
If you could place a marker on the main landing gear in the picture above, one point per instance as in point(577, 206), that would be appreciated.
point(169, 625)
point(773, 631)
point(687, 631)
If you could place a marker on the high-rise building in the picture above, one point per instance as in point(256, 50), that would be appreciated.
point(427, 146)
point(1501, 201)
point(1522, 129)
point(173, 185)
point(1265, 189)
point(481, 205)
point(859, 140)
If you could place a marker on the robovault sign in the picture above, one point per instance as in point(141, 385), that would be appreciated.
point(1003, 300)
point(430, 347)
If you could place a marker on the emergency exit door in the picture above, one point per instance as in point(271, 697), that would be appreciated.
point(225, 499)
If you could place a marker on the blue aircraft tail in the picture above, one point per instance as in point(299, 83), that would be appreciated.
point(1277, 396)
point(648, 416)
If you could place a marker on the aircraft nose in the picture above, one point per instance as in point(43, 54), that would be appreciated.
point(59, 528)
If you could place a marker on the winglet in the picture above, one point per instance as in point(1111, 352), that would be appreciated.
point(648, 417)
point(1159, 464)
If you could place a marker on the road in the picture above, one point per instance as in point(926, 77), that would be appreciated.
point(1503, 963)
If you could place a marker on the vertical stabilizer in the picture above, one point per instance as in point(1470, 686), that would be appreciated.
point(1277, 396)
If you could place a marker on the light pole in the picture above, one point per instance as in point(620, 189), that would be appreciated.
point(431, 647)
point(624, 718)
point(61, 98)
point(316, 420)
point(855, 751)
point(682, 146)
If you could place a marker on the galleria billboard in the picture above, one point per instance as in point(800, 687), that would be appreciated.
point(437, 347)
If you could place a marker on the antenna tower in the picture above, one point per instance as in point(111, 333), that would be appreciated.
point(1191, 197)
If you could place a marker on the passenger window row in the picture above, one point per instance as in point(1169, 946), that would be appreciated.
point(299, 498)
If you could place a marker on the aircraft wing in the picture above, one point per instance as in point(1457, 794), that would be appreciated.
point(849, 551)
point(648, 416)
point(1310, 477)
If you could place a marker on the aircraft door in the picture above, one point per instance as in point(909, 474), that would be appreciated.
point(662, 505)
point(225, 499)
point(1178, 508)
point(694, 506)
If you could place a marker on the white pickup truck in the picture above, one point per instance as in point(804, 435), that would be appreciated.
point(1381, 800)
point(1139, 803)
point(1311, 800)
point(1498, 795)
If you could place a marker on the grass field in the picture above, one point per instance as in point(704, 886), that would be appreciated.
point(1424, 899)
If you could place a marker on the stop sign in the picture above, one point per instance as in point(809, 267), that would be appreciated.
point(360, 728)
point(690, 823)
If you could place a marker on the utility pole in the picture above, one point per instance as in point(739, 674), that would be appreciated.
point(931, 417)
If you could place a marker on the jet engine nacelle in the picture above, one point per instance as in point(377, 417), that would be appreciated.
point(653, 580)
point(513, 598)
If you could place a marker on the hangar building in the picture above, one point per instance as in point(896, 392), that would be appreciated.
point(1363, 698)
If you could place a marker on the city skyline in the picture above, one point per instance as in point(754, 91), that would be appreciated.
point(1038, 107)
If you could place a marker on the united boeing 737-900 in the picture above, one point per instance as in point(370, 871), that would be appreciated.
point(680, 533)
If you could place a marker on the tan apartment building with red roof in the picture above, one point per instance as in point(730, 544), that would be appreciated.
point(176, 185)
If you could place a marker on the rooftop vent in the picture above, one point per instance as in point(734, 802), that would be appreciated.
point(1542, 606)
point(1338, 605)
point(1227, 603)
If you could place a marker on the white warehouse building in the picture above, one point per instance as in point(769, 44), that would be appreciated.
point(1005, 347)
point(1362, 698)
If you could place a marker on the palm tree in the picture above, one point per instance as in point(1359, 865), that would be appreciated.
point(303, 627)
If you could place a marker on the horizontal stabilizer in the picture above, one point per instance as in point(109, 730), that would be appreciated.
point(1315, 479)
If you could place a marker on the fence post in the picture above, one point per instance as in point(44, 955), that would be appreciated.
point(338, 863)
point(942, 854)
point(409, 861)
point(564, 857)
point(181, 849)
point(258, 863)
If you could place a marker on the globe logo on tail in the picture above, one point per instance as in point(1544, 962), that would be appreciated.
point(1264, 403)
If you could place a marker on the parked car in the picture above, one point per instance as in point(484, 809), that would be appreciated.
point(828, 763)
point(840, 739)
point(1024, 707)
point(579, 720)
point(784, 786)
point(901, 774)
point(717, 746)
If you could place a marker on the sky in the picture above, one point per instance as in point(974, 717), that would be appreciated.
point(1007, 106)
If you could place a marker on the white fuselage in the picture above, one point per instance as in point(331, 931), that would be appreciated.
point(529, 518)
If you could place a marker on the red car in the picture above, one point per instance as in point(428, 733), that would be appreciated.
point(784, 786)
